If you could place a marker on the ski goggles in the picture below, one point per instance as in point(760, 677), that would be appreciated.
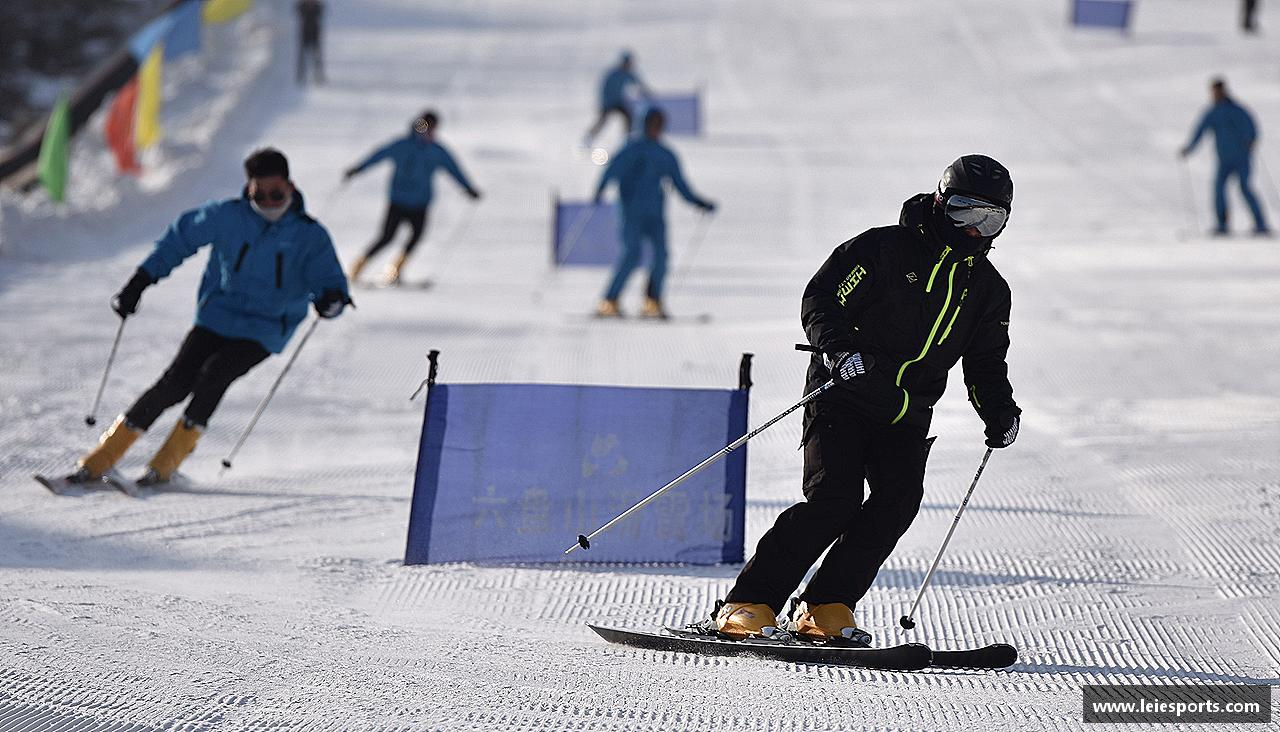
point(966, 212)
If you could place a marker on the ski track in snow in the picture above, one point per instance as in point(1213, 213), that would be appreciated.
point(1130, 536)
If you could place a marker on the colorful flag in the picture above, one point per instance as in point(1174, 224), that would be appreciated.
point(119, 127)
point(150, 88)
point(183, 36)
point(220, 11)
point(52, 165)
point(141, 43)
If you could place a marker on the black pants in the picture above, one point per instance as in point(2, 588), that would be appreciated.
point(396, 215)
point(309, 50)
point(205, 366)
point(604, 116)
point(840, 448)
point(1250, 8)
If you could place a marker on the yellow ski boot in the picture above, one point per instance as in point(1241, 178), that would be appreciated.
point(653, 309)
point(111, 447)
point(828, 621)
point(392, 276)
point(608, 309)
point(356, 268)
point(740, 620)
point(171, 454)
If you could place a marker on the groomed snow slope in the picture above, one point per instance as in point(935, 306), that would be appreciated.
point(1129, 536)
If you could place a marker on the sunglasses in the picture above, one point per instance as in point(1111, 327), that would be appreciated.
point(276, 196)
point(975, 213)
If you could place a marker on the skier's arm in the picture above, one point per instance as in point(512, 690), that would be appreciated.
point(324, 276)
point(677, 180)
point(184, 238)
point(1195, 137)
point(644, 90)
point(835, 294)
point(376, 156)
point(451, 166)
point(986, 372)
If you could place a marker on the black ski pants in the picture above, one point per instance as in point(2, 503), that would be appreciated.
point(840, 450)
point(204, 368)
point(396, 215)
point(310, 54)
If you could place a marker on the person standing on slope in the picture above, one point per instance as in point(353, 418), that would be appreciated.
point(614, 88)
point(888, 315)
point(268, 261)
point(310, 15)
point(1235, 135)
point(416, 157)
point(640, 169)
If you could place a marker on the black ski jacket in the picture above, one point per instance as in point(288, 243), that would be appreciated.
point(904, 296)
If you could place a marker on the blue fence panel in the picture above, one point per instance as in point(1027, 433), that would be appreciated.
point(514, 472)
point(1102, 13)
point(586, 234)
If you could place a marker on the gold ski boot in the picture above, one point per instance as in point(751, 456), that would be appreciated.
point(357, 267)
point(653, 309)
point(608, 309)
point(828, 621)
point(392, 276)
point(740, 620)
point(171, 454)
point(111, 447)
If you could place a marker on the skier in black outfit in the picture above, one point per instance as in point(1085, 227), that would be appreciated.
point(310, 14)
point(889, 313)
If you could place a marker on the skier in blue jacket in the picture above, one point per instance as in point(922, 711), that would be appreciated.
point(416, 157)
point(1235, 134)
point(269, 260)
point(640, 169)
point(614, 88)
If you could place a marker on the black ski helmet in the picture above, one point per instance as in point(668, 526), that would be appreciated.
point(978, 175)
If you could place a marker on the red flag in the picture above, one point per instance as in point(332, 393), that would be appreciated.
point(119, 127)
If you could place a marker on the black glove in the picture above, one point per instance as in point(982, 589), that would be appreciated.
point(845, 367)
point(474, 194)
point(349, 173)
point(331, 303)
point(1002, 429)
point(125, 302)
point(707, 206)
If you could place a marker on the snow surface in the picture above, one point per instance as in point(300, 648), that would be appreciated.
point(1129, 536)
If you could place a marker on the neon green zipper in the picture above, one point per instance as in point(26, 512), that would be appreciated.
point(937, 323)
point(945, 251)
point(963, 294)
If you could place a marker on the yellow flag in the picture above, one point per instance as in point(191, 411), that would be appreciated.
point(220, 11)
point(150, 87)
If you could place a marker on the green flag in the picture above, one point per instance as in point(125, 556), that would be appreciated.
point(52, 167)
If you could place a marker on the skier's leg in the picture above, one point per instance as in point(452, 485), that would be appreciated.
point(895, 471)
point(656, 232)
point(1220, 195)
point(599, 123)
point(390, 223)
point(628, 260)
point(417, 219)
point(176, 382)
point(835, 450)
point(233, 360)
point(1243, 171)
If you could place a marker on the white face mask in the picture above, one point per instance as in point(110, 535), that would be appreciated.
point(272, 213)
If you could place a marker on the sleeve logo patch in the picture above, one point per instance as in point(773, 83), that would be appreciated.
point(911, 277)
point(850, 282)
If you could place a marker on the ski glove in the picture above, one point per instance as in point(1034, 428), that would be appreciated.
point(331, 303)
point(473, 194)
point(125, 302)
point(707, 206)
point(845, 367)
point(1002, 430)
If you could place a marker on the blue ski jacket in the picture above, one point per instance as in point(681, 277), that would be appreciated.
point(640, 168)
point(1233, 131)
point(613, 89)
point(416, 161)
point(260, 277)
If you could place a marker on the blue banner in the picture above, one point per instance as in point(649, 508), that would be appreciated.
point(183, 36)
point(683, 110)
point(586, 234)
point(514, 472)
point(1102, 13)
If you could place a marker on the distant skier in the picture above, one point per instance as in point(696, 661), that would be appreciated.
point(640, 169)
point(310, 20)
point(890, 312)
point(416, 157)
point(1234, 134)
point(615, 88)
point(1248, 13)
point(268, 261)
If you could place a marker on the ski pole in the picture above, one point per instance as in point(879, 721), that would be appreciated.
point(906, 620)
point(262, 406)
point(92, 417)
point(1193, 211)
point(585, 541)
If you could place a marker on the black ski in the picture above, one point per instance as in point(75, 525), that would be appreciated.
point(996, 655)
point(65, 487)
point(907, 657)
